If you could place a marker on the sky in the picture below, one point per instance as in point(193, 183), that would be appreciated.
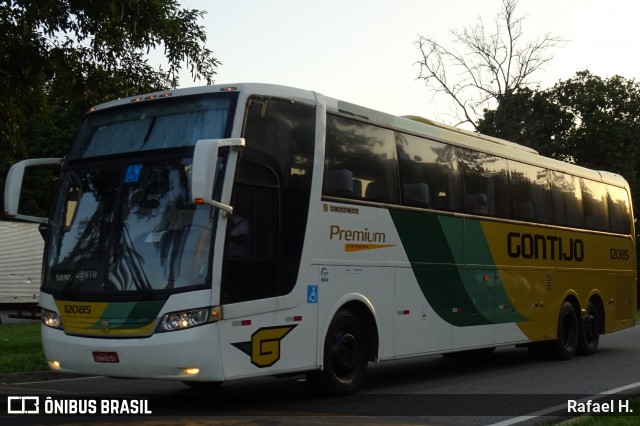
point(364, 52)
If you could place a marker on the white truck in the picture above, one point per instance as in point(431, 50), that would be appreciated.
point(21, 249)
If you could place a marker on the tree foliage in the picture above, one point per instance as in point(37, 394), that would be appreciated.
point(484, 65)
point(529, 118)
point(606, 122)
point(60, 57)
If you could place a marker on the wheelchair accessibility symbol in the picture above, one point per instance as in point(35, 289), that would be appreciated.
point(133, 173)
point(312, 294)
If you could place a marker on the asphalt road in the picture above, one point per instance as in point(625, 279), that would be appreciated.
point(506, 386)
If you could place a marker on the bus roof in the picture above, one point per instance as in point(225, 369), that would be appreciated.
point(415, 125)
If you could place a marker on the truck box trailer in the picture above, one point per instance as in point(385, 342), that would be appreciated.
point(21, 250)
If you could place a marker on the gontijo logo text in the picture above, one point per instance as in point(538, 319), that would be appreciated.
point(546, 247)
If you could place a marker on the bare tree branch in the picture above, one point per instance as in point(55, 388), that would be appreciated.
point(483, 67)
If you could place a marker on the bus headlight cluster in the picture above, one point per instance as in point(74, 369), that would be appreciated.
point(186, 319)
point(51, 319)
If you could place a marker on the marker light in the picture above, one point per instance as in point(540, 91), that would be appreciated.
point(54, 364)
point(216, 313)
point(51, 319)
point(190, 371)
point(150, 97)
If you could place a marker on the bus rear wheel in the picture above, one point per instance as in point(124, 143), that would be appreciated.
point(590, 331)
point(345, 357)
point(566, 343)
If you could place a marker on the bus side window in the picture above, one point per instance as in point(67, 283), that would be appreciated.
point(428, 173)
point(360, 162)
point(596, 215)
point(567, 200)
point(619, 212)
point(485, 177)
point(530, 193)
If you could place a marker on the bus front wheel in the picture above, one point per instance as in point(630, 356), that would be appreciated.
point(345, 356)
point(566, 344)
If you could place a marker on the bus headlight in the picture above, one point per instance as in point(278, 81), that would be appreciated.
point(51, 319)
point(186, 319)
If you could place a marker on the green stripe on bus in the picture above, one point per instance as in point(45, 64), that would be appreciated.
point(438, 248)
point(130, 315)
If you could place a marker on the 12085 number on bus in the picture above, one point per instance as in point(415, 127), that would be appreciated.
point(619, 254)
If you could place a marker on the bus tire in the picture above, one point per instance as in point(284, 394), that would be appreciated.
point(566, 343)
point(589, 331)
point(345, 356)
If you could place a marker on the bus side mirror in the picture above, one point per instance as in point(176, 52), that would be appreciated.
point(205, 169)
point(14, 183)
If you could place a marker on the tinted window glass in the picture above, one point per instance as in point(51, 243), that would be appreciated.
point(567, 200)
point(484, 177)
point(428, 173)
point(596, 215)
point(619, 212)
point(113, 234)
point(530, 193)
point(284, 130)
point(158, 124)
point(360, 161)
point(264, 240)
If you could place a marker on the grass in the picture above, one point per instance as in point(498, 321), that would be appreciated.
point(21, 349)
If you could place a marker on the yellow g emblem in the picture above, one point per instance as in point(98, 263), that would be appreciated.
point(264, 347)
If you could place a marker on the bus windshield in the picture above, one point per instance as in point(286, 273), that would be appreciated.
point(124, 222)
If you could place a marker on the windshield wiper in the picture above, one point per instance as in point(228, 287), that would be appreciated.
point(95, 232)
point(133, 262)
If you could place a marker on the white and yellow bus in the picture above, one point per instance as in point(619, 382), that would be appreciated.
point(224, 232)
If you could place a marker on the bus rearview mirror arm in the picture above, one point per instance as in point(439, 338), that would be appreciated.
point(204, 173)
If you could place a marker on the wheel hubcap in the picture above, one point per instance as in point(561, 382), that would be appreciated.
point(345, 355)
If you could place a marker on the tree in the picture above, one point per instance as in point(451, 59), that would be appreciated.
point(60, 57)
point(606, 124)
point(487, 66)
point(530, 118)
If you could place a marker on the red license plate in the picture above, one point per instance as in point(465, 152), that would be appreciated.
point(107, 357)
